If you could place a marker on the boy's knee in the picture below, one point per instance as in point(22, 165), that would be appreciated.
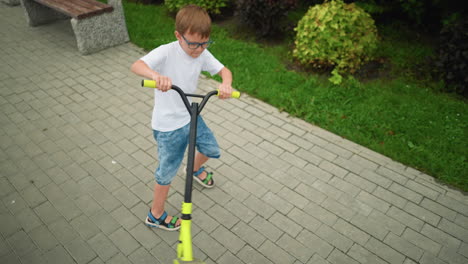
point(214, 155)
point(163, 180)
point(162, 183)
point(211, 151)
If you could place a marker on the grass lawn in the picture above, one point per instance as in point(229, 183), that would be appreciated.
point(401, 117)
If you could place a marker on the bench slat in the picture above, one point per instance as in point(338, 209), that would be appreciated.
point(77, 8)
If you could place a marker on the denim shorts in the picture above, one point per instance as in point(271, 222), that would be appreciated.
point(172, 145)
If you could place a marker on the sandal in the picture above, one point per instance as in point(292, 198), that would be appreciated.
point(205, 182)
point(152, 221)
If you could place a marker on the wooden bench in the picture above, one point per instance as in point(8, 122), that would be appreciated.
point(77, 9)
point(96, 25)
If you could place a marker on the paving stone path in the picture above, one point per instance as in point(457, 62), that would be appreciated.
point(77, 160)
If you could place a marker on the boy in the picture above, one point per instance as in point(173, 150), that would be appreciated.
point(180, 63)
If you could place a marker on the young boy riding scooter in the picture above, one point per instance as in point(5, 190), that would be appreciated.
point(180, 63)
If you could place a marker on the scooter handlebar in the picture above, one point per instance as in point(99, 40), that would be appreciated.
point(152, 84)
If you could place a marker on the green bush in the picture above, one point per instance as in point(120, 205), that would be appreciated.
point(335, 34)
point(264, 15)
point(211, 6)
point(452, 59)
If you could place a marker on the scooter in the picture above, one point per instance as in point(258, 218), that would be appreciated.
point(184, 248)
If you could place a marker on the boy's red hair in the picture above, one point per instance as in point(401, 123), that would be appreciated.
point(193, 19)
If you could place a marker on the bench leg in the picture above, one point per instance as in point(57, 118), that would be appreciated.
point(37, 14)
point(102, 31)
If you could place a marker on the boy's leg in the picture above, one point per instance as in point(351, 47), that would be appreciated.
point(207, 148)
point(171, 147)
point(200, 159)
point(159, 199)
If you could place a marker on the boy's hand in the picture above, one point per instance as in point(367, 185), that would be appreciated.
point(163, 83)
point(225, 91)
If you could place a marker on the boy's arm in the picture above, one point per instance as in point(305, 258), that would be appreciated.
point(225, 89)
point(140, 68)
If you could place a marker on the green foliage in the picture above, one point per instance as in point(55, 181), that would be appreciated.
point(453, 56)
point(148, 2)
point(211, 6)
point(264, 15)
point(335, 34)
point(415, 9)
point(372, 6)
point(425, 15)
point(148, 25)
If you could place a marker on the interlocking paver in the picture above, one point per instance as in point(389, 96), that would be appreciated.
point(440, 236)
point(43, 238)
point(47, 212)
point(62, 231)
point(384, 251)
point(454, 204)
point(68, 209)
point(250, 255)
point(209, 246)
point(334, 238)
point(310, 157)
point(222, 215)
point(454, 229)
point(141, 255)
point(21, 243)
point(275, 253)
point(375, 178)
point(461, 220)
point(35, 256)
point(228, 239)
point(316, 259)
point(423, 214)
point(337, 208)
point(235, 191)
point(257, 206)
point(80, 251)
point(58, 255)
point(337, 257)
point(351, 232)
point(248, 234)
point(124, 241)
point(287, 191)
point(373, 201)
point(422, 241)
point(278, 203)
point(266, 228)
point(228, 257)
point(370, 226)
point(360, 182)
point(404, 246)
point(295, 248)
point(84, 226)
point(104, 248)
point(363, 255)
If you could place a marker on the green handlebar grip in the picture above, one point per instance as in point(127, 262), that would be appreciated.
point(234, 94)
point(148, 83)
point(152, 84)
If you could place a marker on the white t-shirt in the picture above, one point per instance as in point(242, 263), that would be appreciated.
point(169, 112)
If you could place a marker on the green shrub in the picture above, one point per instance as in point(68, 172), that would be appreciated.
point(264, 15)
point(148, 2)
point(453, 56)
point(335, 34)
point(211, 6)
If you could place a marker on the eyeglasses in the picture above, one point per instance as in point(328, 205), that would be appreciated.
point(195, 45)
